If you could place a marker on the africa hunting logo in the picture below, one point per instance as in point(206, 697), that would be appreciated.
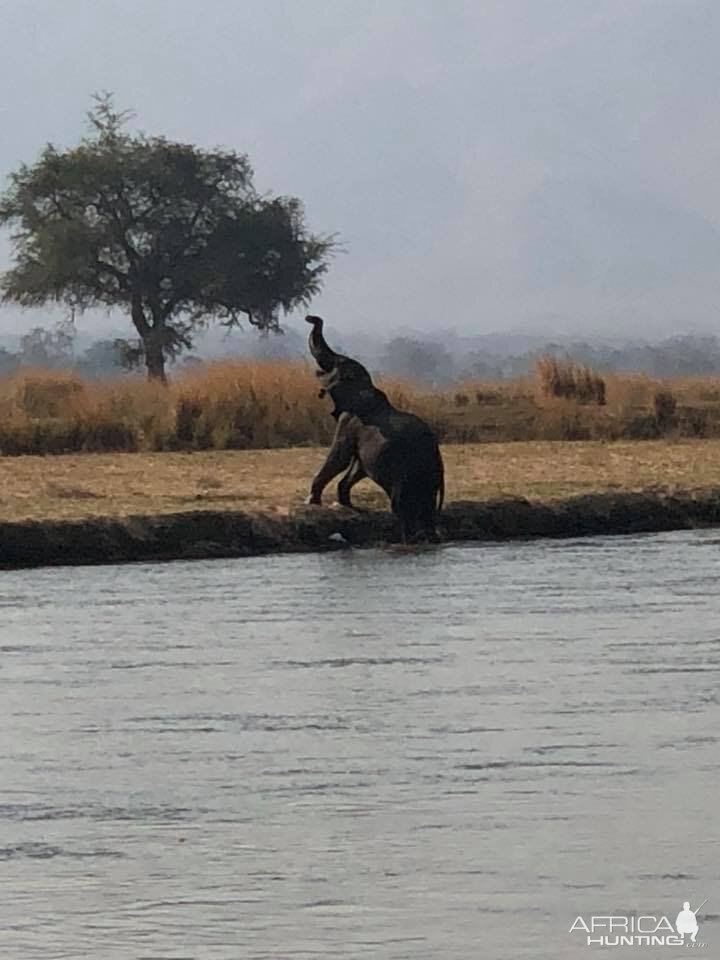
point(641, 931)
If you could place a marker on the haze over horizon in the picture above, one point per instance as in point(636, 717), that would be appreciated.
point(516, 165)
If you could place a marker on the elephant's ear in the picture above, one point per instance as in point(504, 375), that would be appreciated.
point(361, 401)
point(330, 378)
point(370, 400)
point(365, 400)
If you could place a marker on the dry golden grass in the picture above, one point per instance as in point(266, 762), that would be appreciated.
point(80, 485)
point(570, 380)
point(240, 405)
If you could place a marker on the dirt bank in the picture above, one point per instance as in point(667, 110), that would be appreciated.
point(206, 534)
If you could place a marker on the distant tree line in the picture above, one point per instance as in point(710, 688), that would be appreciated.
point(424, 360)
point(681, 356)
point(55, 348)
point(439, 363)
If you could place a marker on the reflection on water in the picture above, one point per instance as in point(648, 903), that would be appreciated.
point(364, 754)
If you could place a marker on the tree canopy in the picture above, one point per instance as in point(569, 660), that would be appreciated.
point(174, 234)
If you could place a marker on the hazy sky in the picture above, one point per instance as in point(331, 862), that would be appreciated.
point(494, 164)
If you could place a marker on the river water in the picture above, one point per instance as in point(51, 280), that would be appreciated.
point(447, 753)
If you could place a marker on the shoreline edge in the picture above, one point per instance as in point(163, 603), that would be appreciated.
point(206, 534)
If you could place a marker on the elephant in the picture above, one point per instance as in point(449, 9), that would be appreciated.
point(336, 364)
point(373, 439)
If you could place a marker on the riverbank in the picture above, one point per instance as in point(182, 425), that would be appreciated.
point(206, 534)
point(95, 508)
point(275, 482)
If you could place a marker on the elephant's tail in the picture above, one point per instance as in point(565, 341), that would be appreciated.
point(441, 484)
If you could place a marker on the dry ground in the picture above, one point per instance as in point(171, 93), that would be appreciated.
point(86, 485)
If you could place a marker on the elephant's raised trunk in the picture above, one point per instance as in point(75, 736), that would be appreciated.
point(325, 358)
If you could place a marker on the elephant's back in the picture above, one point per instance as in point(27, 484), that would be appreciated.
point(411, 447)
point(405, 426)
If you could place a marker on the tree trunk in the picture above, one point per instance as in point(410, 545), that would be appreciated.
point(155, 360)
point(151, 339)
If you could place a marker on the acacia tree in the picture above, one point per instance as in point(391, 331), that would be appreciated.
point(173, 234)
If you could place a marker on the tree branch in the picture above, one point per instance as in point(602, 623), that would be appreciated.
point(132, 254)
point(121, 277)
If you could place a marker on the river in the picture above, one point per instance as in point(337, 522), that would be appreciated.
point(451, 753)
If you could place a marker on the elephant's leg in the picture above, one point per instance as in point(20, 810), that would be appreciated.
point(355, 473)
point(398, 505)
point(415, 510)
point(405, 506)
point(338, 459)
point(427, 515)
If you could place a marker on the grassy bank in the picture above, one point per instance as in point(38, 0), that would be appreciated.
point(158, 506)
point(244, 405)
point(275, 481)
